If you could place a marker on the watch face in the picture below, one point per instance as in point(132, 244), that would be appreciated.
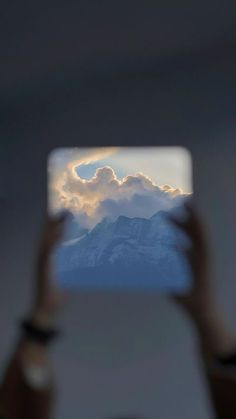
point(38, 377)
point(118, 235)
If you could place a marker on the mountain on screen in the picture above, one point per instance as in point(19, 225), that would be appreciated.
point(126, 252)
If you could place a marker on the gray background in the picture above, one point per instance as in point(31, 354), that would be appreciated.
point(117, 73)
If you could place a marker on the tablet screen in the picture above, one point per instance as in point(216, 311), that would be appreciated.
point(117, 235)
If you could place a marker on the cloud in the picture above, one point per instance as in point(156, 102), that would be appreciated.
point(61, 166)
point(104, 195)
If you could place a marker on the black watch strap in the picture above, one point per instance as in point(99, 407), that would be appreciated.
point(38, 334)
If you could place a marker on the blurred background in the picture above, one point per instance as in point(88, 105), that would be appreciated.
point(104, 73)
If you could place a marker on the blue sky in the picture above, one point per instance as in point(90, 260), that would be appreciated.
point(164, 165)
point(95, 183)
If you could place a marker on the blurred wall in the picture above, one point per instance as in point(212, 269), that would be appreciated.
point(128, 353)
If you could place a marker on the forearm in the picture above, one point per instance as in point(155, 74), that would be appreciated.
point(222, 386)
point(215, 337)
point(217, 341)
point(38, 380)
point(27, 389)
point(217, 345)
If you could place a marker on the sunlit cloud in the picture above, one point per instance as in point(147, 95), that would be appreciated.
point(104, 195)
point(61, 166)
point(68, 158)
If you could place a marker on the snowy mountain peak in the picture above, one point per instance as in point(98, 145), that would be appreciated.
point(124, 248)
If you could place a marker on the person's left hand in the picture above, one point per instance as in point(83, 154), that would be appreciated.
point(48, 298)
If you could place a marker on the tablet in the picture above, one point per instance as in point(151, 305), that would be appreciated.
point(118, 235)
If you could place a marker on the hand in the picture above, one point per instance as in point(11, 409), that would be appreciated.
point(197, 256)
point(48, 298)
point(200, 303)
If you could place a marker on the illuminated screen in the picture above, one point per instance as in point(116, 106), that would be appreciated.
point(117, 235)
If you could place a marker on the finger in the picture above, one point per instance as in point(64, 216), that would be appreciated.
point(185, 251)
point(53, 231)
point(190, 225)
point(180, 223)
point(59, 220)
point(56, 221)
point(195, 227)
point(62, 216)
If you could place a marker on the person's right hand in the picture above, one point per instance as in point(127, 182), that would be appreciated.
point(200, 302)
point(197, 256)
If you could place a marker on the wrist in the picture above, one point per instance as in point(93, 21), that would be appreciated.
point(42, 319)
point(32, 349)
point(216, 339)
point(38, 330)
